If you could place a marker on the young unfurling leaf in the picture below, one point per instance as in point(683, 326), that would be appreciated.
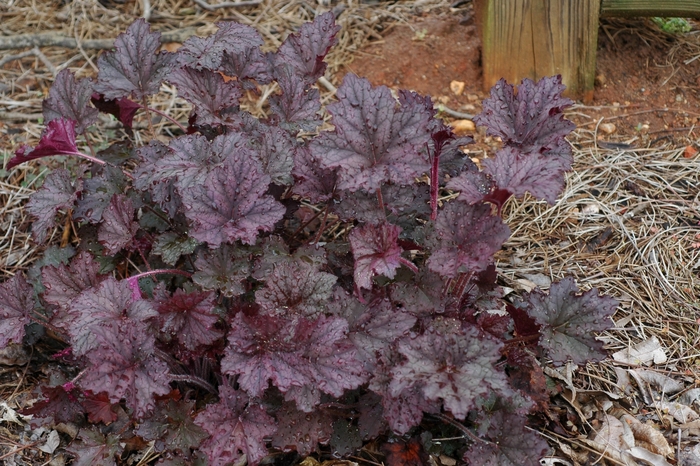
point(58, 138)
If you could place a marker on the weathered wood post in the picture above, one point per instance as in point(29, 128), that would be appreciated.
point(537, 38)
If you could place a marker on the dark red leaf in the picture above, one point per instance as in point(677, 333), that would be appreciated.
point(99, 408)
point(123, 109)
point(57, 405)
point(58, 138)
point(400, 453)
point(295, 288)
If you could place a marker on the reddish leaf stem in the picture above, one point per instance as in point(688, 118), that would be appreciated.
point(409, 264)
point(381, 201)
point(434, 183)
point(160, 271)
point(163, 114)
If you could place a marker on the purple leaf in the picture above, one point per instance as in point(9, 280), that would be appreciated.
point(298, 106)
point(423, 296)
point(105, 305)
point(455, 367)
point(206, 90)
point(275, 149)
point(135, 68)
point(291, 354)
point(236, 428)
point(312, 181)
point(123, 109)
point(58, 138)
point(16, 304)
point(250, 64)
point(532, 120)
point(170, 246)
point(172, 424)
point(232, 204)
point(118, 227)
point(63, 283)
point(207, 52)
point(301, 431)
point(509, 443)
point(374, 140)
point(541, 175)
point(466, 239)
point(402, 204)
point(375, 327)
point(123, 366)
point(57, 193)
point(473, 185)
point(223, 269)
point(306, 49)
point(69, 99)
point(148, 176)
point(376, 252)
point(95, 449)
point(295, 288)
point(58, 405)
point(189, 317)
point(98, 192)
point(99, 408)
point(569, 319)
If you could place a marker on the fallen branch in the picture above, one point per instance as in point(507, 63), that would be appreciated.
point(209, 7)
point(17, 116)
point(52, 39)
point(36, 52)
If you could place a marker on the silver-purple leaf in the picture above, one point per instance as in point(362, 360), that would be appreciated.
point(531, 120)
point(236, 428)
point(312, 181)
point(70, 98)
point(569, 321)
point(300, 430)
point(59, 192)
point(376, 252)
point(298, 106)
point(206, 90)
point(306, 49)
point(118, 227)
point(295, 288)
point(189, 317)
point(124, 366)
point(223, 269)
point(375, 140)
point(465, 237)
point(62, 284)
point(231, 204)
point(454, 367)
point(135, 68)
point(97, 193)
point(207, 52)
point(16, 304)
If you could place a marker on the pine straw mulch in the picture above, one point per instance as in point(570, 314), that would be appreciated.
point(628, 224)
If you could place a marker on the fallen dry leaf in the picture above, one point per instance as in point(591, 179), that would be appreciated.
point(689, 152)
point(655, 440)
point(643, 353)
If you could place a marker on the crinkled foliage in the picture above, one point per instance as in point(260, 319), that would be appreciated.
point(15, 306)
point(568, 320)
point(375, 139)
point(240, 285)
point(135, 68)
point(58, 192)
point(69, 98)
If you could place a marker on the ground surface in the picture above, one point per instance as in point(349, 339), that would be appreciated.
point(628, 222)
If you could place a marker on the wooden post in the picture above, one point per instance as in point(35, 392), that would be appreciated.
point(537, 38)
point(668, 8)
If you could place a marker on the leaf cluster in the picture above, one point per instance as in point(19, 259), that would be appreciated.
point(255, 283)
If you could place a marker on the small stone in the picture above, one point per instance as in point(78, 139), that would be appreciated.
point(457, 87)
point(608, 128)
point(462, 127)
point(472, 97)
point(600, 80)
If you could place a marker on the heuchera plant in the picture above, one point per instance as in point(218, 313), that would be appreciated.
point(254, 283)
